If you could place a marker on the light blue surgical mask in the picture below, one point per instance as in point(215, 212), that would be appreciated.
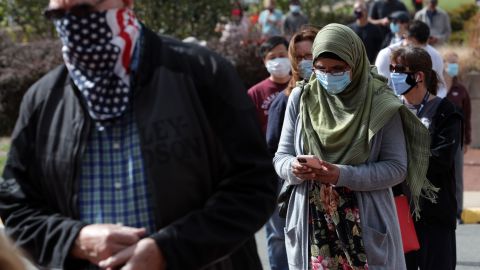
point(333, 84)
point(295, 8)
point(399, 83)
point(394, 27)
point(452, 69)
point(305, 69)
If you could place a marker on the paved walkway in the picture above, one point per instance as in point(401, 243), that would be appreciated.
point(468, 236)
point(471, 170)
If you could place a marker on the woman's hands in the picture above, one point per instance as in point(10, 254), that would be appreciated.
point(327, 174)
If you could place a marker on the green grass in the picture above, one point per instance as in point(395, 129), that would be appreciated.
point(444, 4)
point(2, 163)
point(4, 146)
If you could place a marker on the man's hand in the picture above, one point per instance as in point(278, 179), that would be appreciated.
point(143, 255)
point(385, 21)
point(98, 242)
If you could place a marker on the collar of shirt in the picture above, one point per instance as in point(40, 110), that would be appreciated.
point(136, 53)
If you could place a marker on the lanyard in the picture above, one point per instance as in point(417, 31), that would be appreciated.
point(422, 105)
point(424, 101)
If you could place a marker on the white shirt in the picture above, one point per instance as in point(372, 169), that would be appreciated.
point(383, 65)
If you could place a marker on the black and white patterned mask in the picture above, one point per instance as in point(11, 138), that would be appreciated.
point(97, 50)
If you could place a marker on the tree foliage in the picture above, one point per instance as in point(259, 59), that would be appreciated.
point(182, 18)
point(26, 15)
point(178, 18)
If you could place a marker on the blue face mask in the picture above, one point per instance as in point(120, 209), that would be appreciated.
point(333, 84)
point(305, 69)
point(295, 8)
point(401, 83)
point(394, 27)
point(452, 69)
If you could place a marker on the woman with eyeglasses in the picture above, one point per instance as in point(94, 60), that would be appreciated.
point(416, 82)
point(357, 141)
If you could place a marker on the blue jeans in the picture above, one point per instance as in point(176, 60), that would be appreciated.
point(274, 228)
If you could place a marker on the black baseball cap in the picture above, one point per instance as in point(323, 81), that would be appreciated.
point(400, 16)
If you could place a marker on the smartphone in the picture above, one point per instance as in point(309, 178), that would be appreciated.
point(310, 161)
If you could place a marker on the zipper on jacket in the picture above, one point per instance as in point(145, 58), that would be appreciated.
point(82, 129)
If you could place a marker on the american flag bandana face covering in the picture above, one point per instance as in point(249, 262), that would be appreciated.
point(97, 50)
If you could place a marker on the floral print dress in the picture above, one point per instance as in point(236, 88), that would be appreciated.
point(335, 235)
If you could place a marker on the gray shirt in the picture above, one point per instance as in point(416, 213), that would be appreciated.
point(439, 24)
point(372, 182)
point(293, 22)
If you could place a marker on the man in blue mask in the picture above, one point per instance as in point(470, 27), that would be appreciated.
point(380, 10)
point(294, 19)
point(140, 152)
point(398, 28)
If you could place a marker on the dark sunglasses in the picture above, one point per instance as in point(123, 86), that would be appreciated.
point(399, 69)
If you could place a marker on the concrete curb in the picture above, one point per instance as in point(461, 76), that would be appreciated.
point(471, 207)
point(471, 216)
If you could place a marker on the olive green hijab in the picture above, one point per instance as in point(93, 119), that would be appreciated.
point(339, 128)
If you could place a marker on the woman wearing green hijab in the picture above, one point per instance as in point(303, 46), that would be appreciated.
point(342, 214)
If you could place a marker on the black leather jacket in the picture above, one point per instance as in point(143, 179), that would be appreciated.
point(207, 166)
point(446, 133)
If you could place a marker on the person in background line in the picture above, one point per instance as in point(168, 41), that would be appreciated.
point(300, 55)
point(417, 4)
point(458, 95)
point(294, 19)
point(270, 20)
point(369, 33)
point(236, 29)
point(274, 54)
point(341, 213)
point(381, 9)
point(438, 21)
point(398, 28)
point(417, 83)
point(418, 33)
point(139, 152)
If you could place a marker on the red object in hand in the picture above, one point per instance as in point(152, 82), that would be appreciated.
point(407, 227)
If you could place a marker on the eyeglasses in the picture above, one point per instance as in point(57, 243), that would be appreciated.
point(399, 69)
point(79, 10)
point(304, 57)
point(334, 72)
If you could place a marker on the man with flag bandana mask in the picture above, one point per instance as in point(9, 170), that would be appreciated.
point(98, 57)
point(125, 156)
